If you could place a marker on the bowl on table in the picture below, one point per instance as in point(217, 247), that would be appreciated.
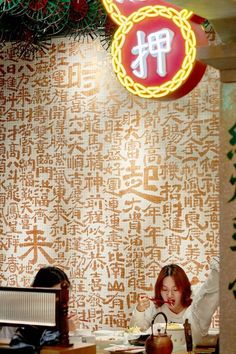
point(106, 336)
point(138, 339)
point(132, 335)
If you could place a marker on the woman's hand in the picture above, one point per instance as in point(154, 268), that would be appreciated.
point(143, 303)
point(73, 322)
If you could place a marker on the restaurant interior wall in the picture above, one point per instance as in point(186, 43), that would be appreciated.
point(106, 185)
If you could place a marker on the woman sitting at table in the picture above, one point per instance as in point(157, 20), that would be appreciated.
point(33, 336)
point(173, 297)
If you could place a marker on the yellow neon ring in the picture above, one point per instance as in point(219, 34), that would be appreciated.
point(114, 11)
point(180, 20)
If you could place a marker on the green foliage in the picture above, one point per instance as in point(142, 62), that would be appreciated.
point(30, 24)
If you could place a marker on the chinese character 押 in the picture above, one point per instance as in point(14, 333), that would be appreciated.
point(158, 45)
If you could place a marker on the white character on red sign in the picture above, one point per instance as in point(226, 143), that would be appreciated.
point(154, 49)
point(158, 45)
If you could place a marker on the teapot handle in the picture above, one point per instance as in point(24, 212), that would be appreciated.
point(159, 313)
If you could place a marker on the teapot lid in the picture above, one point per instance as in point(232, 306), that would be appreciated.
point(161, 334)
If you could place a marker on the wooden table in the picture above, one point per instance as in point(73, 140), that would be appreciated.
point(77, 348)
point(102, 351)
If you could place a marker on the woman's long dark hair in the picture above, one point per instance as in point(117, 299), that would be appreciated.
point(49, 276)
point(181, 281)
point(46, 277)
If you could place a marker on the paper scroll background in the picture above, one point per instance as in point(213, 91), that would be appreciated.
point(108, 186)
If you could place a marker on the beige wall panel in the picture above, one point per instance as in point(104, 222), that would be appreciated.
point(106, 185)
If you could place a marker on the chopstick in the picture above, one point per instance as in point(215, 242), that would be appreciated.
point(160, 301)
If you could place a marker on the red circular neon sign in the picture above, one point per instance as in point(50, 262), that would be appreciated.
point(154, 49)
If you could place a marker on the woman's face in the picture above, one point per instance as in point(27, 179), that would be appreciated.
point(172, 294)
